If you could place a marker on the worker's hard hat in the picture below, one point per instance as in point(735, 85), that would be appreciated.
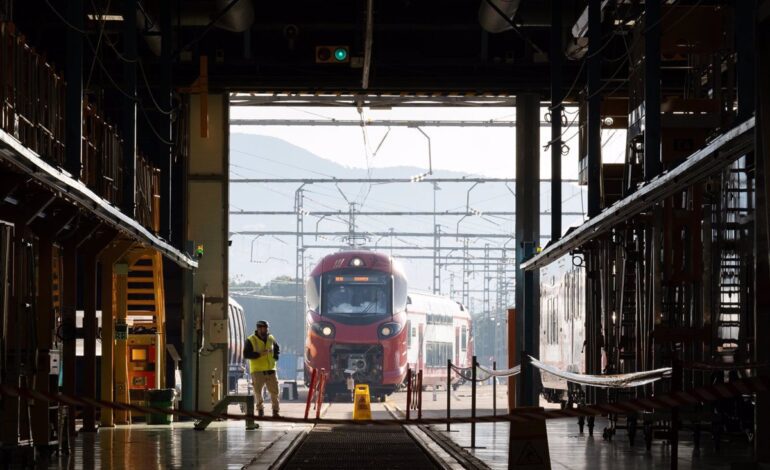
point(263, 323)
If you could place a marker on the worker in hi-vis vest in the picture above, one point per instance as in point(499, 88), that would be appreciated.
point(261, 349)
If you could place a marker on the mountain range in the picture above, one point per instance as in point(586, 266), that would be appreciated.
point(263, 257)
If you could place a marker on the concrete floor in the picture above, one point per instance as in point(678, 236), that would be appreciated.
point(230, 445)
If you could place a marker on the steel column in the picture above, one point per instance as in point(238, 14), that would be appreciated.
point(594, 133)
point(89, 337)
point(128, 128)
point(745, 45)
point(527, 230)
point(556, 58)
point(120, 358)
point(190, 341)
point(68, 294)
point(107, 259)
point(762, 159)
point(90, 288)
point(652, 163)
point(164, 158)
point(74, 89)
point(41, 422)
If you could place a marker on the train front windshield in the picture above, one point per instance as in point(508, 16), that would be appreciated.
point(363, 295)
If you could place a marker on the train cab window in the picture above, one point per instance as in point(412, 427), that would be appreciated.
point(463, 338)
point(400, 299)
point(361, 295)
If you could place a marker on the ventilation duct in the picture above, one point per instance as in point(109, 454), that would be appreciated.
point(491, 20)
point(238, 18)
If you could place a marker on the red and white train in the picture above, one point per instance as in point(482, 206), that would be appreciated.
point(362, 324)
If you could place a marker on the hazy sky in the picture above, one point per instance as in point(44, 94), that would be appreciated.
point(487, 151)
point(473, 150)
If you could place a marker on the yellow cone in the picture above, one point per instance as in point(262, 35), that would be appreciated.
point(361, 405)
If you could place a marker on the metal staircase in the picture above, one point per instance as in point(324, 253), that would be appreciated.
point(733, 231)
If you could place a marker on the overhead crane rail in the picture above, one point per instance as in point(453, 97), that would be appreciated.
point(391, 213)
point(373, 100)
point(287, 233)
point(373, 123)
point(383, 180)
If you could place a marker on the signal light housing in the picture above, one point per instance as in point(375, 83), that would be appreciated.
point(332, 54)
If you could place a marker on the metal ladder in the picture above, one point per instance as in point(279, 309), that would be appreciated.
point(733, 229)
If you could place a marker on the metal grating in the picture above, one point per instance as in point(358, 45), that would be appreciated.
point(357, 447)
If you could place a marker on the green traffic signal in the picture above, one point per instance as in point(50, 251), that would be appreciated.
point(340, 54)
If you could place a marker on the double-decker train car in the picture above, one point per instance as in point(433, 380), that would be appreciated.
point(236, 335)
point(356, 321)
point(562, 325)
point(439, 329)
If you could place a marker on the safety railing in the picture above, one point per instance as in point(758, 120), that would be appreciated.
point(316, 389)
point(32, 110)
point(413, 393)
point(102, 156)
point(147, 194)
point(32, 97)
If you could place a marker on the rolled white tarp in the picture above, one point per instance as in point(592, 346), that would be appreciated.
point(633, 379)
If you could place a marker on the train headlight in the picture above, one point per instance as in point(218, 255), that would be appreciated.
point(389, 329)
point(356, 262)
point(323, 329)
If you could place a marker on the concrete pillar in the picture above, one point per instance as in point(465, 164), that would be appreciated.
point(527, 234)
point(207, 225)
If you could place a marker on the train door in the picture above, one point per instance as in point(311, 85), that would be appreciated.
point(421, 343)
point(457, 345)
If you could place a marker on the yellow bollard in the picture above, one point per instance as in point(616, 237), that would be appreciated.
point(361, 405)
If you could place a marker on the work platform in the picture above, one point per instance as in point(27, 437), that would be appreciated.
point(227, 444)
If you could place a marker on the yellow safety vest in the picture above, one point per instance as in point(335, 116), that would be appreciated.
point(266, 361)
